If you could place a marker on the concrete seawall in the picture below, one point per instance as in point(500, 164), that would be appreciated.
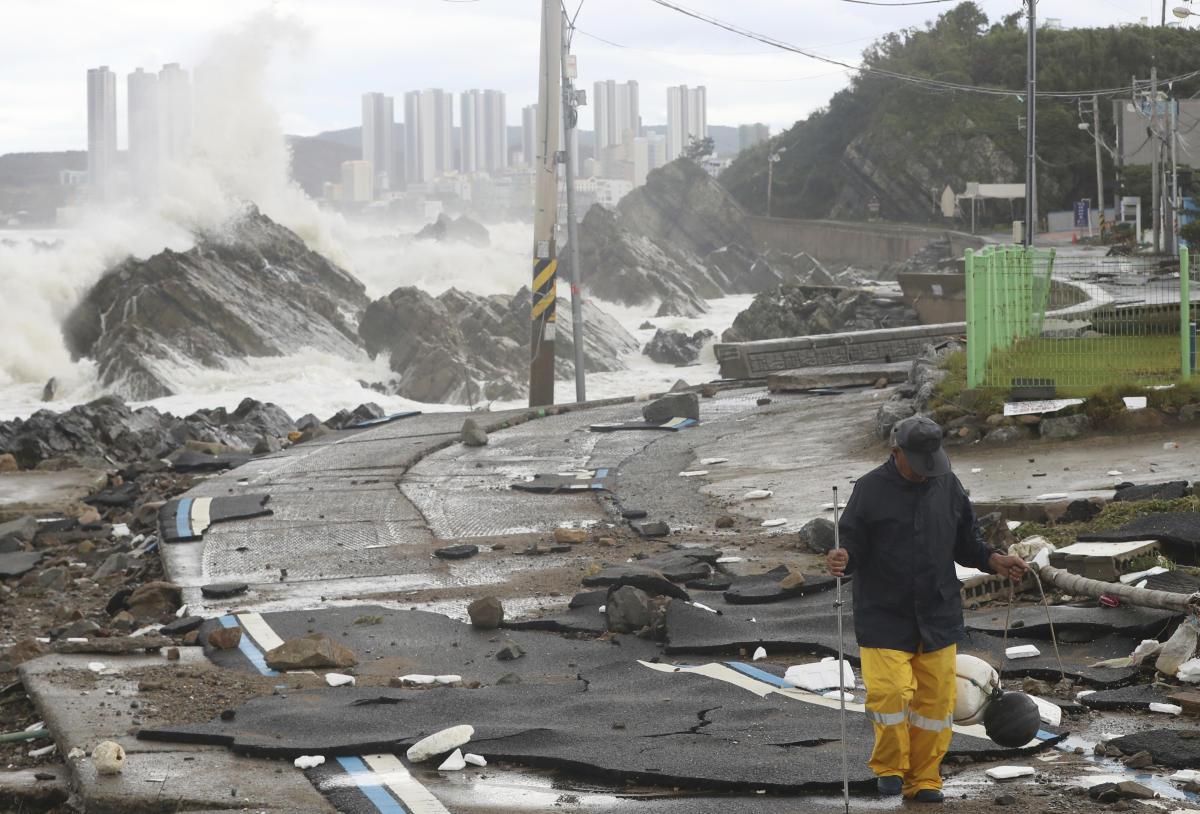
point(870, 245)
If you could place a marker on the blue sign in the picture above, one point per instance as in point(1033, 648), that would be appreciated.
point(1082, 213)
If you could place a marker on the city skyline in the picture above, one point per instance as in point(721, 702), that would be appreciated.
point(314, 82)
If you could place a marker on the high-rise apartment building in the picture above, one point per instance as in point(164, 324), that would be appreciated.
point(142, 108)
point(687, 118)
point(102, 129)
point(616, 113)
point(483, 142)
point(378, 148)
point(175, 112)
point(428, 135)
point(751, 134)
point(357, 181)
point(529, 139)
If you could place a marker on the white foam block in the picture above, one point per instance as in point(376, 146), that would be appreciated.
point(1050, 713)
point(821, 675)
point(1009, 772)
point(1170, 709)
point(1022, 651)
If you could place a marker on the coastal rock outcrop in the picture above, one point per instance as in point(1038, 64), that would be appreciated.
point(252, 289)
point(466, 348)
point(804, 310)
point(680, 238)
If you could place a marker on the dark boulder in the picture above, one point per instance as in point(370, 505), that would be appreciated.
point(455, 230)
point(670, 347)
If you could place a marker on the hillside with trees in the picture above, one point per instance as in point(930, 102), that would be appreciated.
point(902, 142)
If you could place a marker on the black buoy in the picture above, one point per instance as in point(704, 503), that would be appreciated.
point(1012, 719)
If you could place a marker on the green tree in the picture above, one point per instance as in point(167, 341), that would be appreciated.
point(698, 148)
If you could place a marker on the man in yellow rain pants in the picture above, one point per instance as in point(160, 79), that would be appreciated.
point(906, 524)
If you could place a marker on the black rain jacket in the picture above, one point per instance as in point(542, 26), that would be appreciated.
point(903, 539)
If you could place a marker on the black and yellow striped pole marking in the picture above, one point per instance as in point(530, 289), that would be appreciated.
point(541, 365)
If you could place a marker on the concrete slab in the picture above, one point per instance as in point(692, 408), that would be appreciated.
point(758, 589)
point(1078, 659)
point(1179, 533)
point(807, 378)
point(1169, 747)
point(47, 494)
point(156, 777)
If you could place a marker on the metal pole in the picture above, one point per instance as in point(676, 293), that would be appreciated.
point(545, 262)
point(570, 119)
point(1030, 136)
point(837, 543)
point(770, 169)
point(1099, 173)
point(1156, 202)
point(1174, 208)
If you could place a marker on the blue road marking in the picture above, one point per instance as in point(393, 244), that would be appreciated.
point(249, 650)
point(183, 518)
point(761, 675)
point(364, 777)
point(601, 473)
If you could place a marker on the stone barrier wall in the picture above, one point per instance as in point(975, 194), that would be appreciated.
point(751, 360)
point(867, 245)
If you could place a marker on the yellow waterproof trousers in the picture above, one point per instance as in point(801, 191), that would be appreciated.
point(910, 701)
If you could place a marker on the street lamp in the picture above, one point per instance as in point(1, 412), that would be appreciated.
point(1183, 12)
point(771, 159)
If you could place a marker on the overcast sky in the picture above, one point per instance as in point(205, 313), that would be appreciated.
point(324, 53)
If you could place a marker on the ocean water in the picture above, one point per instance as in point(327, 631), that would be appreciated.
point(46, 272)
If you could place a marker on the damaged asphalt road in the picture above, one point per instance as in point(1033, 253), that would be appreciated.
point(348, 551)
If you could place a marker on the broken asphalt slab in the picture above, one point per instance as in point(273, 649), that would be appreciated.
point(1074, 623)
point(554, 483)
point(186, 519)
point(1176, 748)
point(1136, 697)
point(623, 720)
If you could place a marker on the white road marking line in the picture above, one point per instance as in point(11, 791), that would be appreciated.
point(393, 774)
point(259, 630)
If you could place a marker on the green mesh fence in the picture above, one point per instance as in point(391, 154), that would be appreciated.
point(1077, 322)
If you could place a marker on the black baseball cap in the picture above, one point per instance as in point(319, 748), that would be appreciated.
point(921, 440)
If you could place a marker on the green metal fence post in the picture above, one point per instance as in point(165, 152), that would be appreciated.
point(1185, 316)
point(972, 322)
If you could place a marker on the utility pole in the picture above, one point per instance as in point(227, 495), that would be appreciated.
point(570, 119)
point(1156, 200)
point(1174, 205)
point(1099, 173)
point(545, 205)
point(1030, 139)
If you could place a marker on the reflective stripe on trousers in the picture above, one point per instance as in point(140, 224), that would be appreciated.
point(910, 702)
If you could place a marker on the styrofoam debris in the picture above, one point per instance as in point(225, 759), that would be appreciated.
point(703, 607)
point(1050, 713)
point(1009, 772)
point(1189, 671)
point(108, 757)
point(43, 750)
point(1170, 445)
point(1051, 496)
point(729, 558)
point(1144, 650)
point(821, 675)
point(1114, 472)
point(693, 473)
point(35, 727)
point(80, 639)
point(474, 759)
point(96, 666)
point(778, 521)
point(757, 494)
point(339, 679)
point(711, 461)
point(1013, 525)
point(1022, 651)
point(454, 763)
point(602, 608)
point(76, 753)
point(839, 695)
point(448, 678)
point(976, 470)
point(418, 678)
point(1149, 572)
point(308, 761)
point(1185, 776)
point(1170, 709)
point(760, 654)
point(1134, 402)
point(181, 612)
point(440, 742)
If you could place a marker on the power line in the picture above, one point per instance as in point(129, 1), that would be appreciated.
point(912, 3)
point(925, 82)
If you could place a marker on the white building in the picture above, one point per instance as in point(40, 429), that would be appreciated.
point(145, 147)
point(687, 118)
point(175, 112)
point(647, 153)
point(483, 134)
point(102, 129)
point(529, 140)
point(428, 135)
point(616, 113)
point(357, 178)
point(378, 147)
